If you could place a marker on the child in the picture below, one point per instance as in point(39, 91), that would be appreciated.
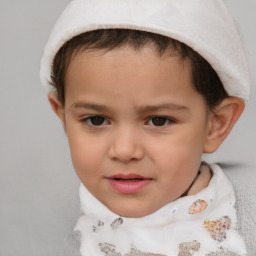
point(143, 89)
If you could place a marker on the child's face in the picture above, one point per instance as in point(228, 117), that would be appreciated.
point(136, 127)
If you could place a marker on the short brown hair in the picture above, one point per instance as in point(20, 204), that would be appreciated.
point(206, 80)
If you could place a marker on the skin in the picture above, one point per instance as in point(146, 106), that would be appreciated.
point(127, 89)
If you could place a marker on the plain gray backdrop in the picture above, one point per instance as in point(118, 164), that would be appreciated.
point(39, 203)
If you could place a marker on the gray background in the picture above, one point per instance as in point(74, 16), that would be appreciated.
point(38, 187)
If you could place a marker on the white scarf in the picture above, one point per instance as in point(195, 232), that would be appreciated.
point(198, 225)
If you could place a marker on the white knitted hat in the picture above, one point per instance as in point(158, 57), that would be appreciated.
point(204, 25)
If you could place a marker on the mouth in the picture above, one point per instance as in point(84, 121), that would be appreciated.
point(128, 184)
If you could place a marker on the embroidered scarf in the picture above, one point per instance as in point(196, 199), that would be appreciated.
point(196, 225)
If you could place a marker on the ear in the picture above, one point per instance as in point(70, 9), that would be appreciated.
point(57, 107)
point(221, 121)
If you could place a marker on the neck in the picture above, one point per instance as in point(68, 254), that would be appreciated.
point(201, 180)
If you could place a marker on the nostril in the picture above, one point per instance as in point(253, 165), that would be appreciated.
point(125, 155)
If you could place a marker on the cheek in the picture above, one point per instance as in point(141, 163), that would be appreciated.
point(87, 153)
point(182, 143)
point(182, 151)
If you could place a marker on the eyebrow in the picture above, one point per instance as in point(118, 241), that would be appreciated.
point(141, 109)
point(90, 106)
point(167, 106)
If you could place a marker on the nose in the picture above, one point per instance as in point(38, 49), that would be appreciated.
point(126, 146)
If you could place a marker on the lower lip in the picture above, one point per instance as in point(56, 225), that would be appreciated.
point(128, 187)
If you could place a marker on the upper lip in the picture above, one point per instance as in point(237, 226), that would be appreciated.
point(129, 176)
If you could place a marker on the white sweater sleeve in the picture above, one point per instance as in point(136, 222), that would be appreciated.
point(244, 182)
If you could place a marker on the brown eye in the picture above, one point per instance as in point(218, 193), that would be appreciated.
point(95, 120)
point(159, 121)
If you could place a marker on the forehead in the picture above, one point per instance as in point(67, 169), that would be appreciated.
point(127, 59)
point(128, 74)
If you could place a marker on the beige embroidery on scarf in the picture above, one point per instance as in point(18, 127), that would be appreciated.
point(110, 250)
point(222, 252)
point(185, 249)
point(189, 248)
